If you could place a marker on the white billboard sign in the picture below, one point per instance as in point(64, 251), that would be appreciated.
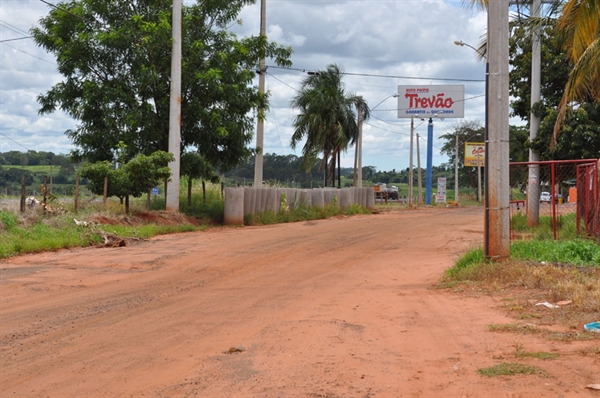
point(440, 197)
point(443, 101)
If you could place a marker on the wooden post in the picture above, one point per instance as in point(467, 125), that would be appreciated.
point(50, 179)
point(76, 200)
point(203, 191)
point(105, 196)
point(148, 199)
point(22, 207)
point(45, 197)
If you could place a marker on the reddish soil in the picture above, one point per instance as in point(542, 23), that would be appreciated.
point(334, 308)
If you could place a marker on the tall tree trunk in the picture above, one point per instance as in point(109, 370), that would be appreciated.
point(326, 169)
point(339, 156)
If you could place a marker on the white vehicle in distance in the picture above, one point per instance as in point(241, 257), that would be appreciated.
point(547, 197)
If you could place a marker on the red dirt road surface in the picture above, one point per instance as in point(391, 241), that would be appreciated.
point(333, 308)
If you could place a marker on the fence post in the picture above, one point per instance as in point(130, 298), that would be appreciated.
point(22, 205)
point(76, 201)
point(105, 191)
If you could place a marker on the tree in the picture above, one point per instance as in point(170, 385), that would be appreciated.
point(327, 119)
point(579, 138)
point(580, 26)
point(133, 178)
point(115, 59)
point(194, 166)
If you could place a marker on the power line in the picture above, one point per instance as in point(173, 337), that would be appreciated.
point(387, 76)
point(16, 38)
point(31, 55)
point(15, 141)
point(13, 27)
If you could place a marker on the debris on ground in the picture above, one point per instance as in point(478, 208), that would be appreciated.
point(548, 305)
point(233, 350)
point(592, 327)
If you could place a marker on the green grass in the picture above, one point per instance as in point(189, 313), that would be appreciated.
point(302, 213)
point(566, 226)
point(512, 369)
point(36, 232)
point(573, 252)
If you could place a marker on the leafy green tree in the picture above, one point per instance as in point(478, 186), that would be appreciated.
point(115, 58)
point(327, 118)
point(555, 67)
point(11, 176)
point(579, 24)
point(133, 178)
point(194, 166)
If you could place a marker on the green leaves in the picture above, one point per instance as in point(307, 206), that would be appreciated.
point(133, 178)
point(115, 57)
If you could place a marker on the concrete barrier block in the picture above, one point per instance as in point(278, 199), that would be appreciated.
point(370, 198)
point(234, 206)
point(317, 198)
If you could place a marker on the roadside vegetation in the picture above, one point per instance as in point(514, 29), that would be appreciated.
point(60, 227)
point(546, 282)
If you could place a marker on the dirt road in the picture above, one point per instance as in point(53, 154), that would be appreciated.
point(332, 308)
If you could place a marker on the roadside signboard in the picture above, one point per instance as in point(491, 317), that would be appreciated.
point(442, 101)
point(474, 152)
point(441, 191)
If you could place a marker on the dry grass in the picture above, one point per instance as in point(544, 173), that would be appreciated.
point(522, 284)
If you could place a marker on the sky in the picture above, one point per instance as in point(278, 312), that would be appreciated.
point(379, 44)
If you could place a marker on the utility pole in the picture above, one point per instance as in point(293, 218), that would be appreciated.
point(533, 184)
point(260, 124)
point(497, 236)
point(410, 167)
point(359, 148)
point(419, 172)
point(456, 170)
point(429, 177)
point(175, 112)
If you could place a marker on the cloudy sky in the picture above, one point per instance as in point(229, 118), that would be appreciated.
point(380, 44)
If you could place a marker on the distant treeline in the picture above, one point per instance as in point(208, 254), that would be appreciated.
point(282, 170)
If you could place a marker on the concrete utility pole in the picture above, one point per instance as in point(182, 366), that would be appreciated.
point(456, 170)
point(419, 173)
point(497, 236)
point(260, 124)
point(359, 148)
point(410, 167)
point(175, 112)
point(533, 185)
point(429, 177)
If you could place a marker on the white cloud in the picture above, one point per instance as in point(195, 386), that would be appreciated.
point(384, 38)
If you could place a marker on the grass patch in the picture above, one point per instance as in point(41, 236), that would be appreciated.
point(538, 271)
point(542, 355)
point(36, 231)
point(566, 225)
point(529, 329)
point(302, 213)
point(512, 369)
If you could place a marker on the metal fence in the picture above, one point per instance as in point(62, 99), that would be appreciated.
point(568, 198)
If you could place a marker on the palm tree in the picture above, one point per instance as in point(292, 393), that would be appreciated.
point(327, 119)
point(580, 24)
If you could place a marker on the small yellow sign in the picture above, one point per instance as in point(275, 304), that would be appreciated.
point(474, 154)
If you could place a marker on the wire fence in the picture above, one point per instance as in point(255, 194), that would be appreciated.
point(568, 205)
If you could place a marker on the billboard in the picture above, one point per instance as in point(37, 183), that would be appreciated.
point(440, 197)
point(443, 101)
point(474, 151)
